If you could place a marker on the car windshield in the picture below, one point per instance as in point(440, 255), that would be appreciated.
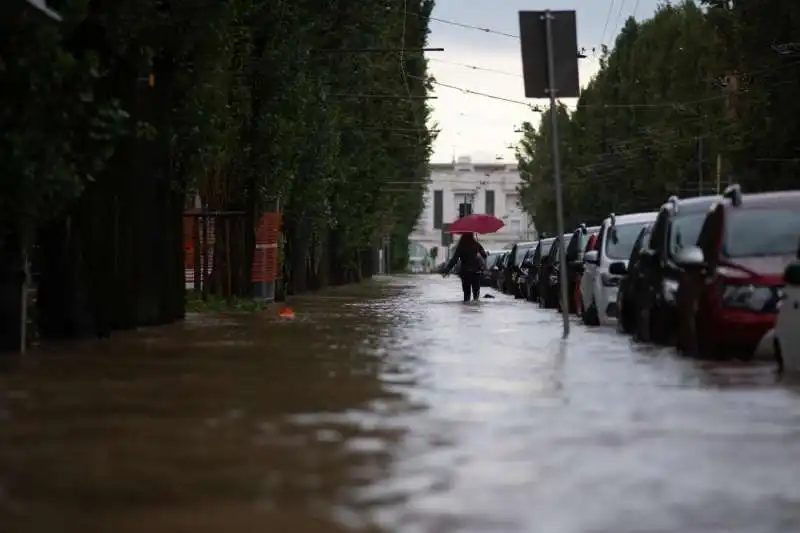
point(621, 239)
point(546, 248)
point(761, 232)
point(521, 251)
point(646, 238)
point(491, 259)
point(684, 231)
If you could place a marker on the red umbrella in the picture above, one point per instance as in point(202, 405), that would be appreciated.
point(476, 224)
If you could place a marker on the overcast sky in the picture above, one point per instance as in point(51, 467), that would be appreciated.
point(482, 127)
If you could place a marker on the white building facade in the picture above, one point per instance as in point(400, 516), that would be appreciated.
point(490, 188)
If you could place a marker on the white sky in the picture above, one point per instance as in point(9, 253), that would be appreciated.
point(482, 127)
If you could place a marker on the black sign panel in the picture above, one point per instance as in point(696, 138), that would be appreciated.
point(533, 41)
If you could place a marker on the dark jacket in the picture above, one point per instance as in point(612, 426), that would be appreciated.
point(471, 263)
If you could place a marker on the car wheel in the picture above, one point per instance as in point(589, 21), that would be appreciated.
point(641, 328)
point(590, 316)
point(689, 342)
point(624, 324)
point(778, 355)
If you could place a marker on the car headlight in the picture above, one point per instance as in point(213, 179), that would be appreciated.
point(670, 289)
point(610, 280)
point(749, 297)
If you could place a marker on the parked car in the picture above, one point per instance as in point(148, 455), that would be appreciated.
point(512, 266)
point(575, 250)
point(599, 284)
point(633, 282)
point(787, 325)
point(496, 269)
point(591, 244)
point(526, 271)
point(503, 271)
point(532, 281)
point(732, 280)
point(550, 277)
point(677, 226)
point(488, 276)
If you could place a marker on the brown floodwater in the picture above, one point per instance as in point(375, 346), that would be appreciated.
point(392, 407)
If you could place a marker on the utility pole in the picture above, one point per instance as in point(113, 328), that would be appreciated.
point(549, 43)
point(699, 166)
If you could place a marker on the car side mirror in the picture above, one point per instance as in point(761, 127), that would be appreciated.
point(618, 268)
point(691, 257)
point(592, 257)
point(792, 274)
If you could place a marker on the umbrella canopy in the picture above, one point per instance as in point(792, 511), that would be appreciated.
point(476, 224)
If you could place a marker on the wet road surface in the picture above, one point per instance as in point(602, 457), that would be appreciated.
point(393, 407)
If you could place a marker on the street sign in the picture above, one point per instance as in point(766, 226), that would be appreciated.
point(533, 41)
point(549, 41)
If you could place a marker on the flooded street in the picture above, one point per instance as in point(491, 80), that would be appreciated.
point(393, 407)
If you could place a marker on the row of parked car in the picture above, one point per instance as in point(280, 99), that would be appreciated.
point(714, 276)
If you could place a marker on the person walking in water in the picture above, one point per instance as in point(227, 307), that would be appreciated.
point(473, 261)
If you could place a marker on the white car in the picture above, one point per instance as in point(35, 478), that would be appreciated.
point(600, 282)
point(787, 325)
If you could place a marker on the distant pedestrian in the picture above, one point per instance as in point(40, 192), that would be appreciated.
point(472, 258)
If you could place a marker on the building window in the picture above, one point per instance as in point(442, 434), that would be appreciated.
point(490, 203)
point(438, 209)
point(464, 203)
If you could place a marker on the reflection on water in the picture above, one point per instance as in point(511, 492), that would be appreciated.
point(391, 406)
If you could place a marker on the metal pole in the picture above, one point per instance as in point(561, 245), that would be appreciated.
point(551, 82)
point(719, 171)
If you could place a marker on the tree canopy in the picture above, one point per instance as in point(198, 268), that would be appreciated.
point(691, 87)
point(118, 115)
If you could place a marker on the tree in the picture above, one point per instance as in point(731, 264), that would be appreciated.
point(124, 110)
point(635, 135)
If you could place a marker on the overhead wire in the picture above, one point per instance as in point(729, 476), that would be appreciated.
point(491, 31)
point(619, 18)
point(608, 19)
point(644, 106)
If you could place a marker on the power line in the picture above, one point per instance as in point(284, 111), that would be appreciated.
point(608, 19)
point(469, 26)
point(619, 17)
point(478, 93)
point(542, 109)
point(483, 29)
point(677, 105)
point(475, 67)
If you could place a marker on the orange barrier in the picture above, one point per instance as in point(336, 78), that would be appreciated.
point(265, 258)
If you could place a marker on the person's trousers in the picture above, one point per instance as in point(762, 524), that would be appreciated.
point(471, 285)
